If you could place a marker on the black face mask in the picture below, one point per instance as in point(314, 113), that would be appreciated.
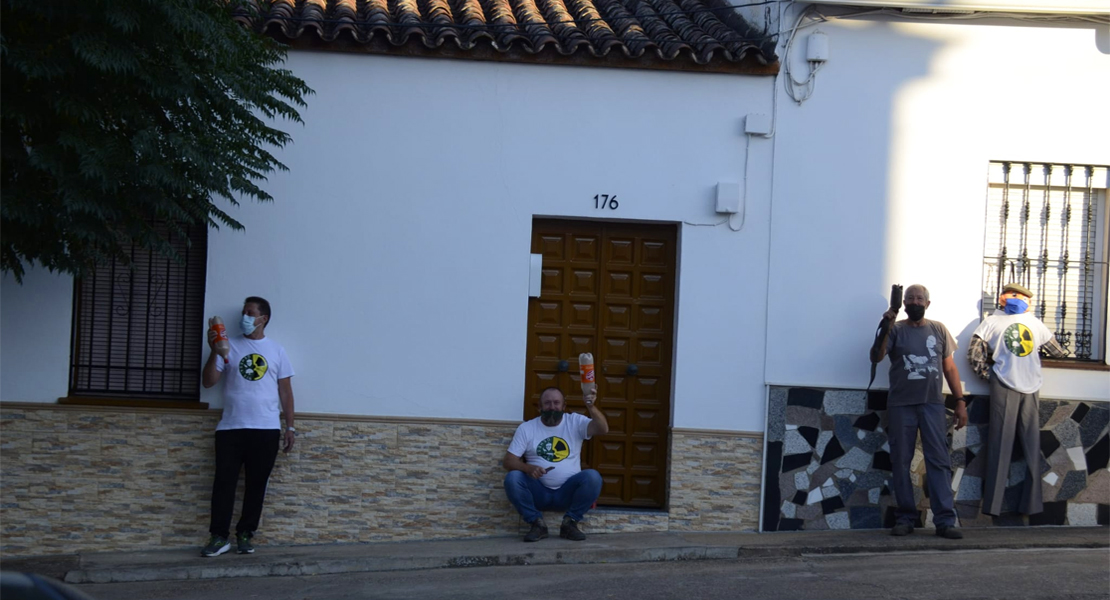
point(916, 312)
point(551, 416)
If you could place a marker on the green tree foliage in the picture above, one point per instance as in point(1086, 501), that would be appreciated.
point(119, 114)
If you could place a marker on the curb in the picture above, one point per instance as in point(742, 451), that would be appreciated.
point(298, 567)
point(921, 546)
point(372, 565)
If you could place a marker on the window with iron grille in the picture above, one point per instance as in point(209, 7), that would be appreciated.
point(1047, 230)
point(137, 330)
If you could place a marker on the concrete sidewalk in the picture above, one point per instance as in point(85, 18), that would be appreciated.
point(113, 567)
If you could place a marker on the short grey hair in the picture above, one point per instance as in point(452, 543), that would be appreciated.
point(924, 290)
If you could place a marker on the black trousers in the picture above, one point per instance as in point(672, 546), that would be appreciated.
point(254, 450)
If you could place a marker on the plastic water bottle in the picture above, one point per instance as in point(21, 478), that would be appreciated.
point(218, 334)
point(586, 369)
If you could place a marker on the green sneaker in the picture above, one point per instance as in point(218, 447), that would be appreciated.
point(243, 541)
point(216, 546)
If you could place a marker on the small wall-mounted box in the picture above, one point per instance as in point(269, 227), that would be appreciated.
point(817, 47)
point(728, 197)
point(757, 124)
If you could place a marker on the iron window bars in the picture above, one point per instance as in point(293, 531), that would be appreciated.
point(138, 329)
point(1047, 230)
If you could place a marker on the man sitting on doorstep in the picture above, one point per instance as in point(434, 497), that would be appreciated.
point(544, 465)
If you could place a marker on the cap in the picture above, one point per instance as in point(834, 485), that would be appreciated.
point(1013, 287)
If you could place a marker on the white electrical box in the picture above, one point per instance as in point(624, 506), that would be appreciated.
point(817, 47)
point(757, 124)
point(535, 275)
point(728, 197)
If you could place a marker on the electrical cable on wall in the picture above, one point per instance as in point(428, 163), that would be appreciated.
point(736, 220)
point(802, 90)
point(790, 83)
point(817, 56)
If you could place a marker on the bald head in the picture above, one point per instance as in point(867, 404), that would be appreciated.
point(918, 289)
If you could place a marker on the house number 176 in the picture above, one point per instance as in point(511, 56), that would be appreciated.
point(605, 201)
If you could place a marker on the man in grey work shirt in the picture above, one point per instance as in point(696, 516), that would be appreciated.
point(920, 351)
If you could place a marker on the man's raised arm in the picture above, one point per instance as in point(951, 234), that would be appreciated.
point(878, 350)
point(211, 373)
point(598, 424)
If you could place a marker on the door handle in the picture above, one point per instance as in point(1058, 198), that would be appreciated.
point(631, 370)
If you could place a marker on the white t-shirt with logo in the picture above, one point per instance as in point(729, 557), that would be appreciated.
point(559, 446)
point(253, 369)
point(1014, 341)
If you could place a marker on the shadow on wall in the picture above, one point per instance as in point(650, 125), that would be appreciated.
point(827, 464)
point(839, 223)
point(830, 226)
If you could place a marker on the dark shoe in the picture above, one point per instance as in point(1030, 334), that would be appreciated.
point(243, 541)
point(569, 530)
point(901, 529)
point(216, 546)
point(949, 532)
point(537, 532)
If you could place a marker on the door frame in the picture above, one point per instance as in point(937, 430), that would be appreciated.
point(671, 366)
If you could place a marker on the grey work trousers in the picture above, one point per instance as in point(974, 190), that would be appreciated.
point(904, 423)
point(1013, 413)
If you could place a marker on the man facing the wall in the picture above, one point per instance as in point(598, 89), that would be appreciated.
point(1004, 350)
point(257, 393)
point(920, 351)
point(544, 465)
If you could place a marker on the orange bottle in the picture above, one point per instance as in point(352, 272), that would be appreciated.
point(586, 369)
point(217, 333)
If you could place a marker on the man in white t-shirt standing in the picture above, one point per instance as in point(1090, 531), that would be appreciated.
point(544, 465)
point(257, 394)
point(1004, 349)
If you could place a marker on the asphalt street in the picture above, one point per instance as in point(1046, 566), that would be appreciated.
point(1058, 574)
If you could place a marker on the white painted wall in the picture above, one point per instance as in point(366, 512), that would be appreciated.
point(881, 178)
point(35, 323)
point(396, 256)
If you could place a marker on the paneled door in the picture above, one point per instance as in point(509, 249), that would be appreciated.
point(609, 289)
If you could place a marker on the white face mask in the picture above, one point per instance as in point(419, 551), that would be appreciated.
point(247, 324)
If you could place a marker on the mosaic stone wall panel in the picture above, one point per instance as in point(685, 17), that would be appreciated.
point(77, 479)
point(828, 463)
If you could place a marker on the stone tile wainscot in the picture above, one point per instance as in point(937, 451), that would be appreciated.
point(80, 479)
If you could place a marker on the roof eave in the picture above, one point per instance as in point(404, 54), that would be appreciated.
point(751, 63)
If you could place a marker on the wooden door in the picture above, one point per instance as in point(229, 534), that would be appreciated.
point(609, 289)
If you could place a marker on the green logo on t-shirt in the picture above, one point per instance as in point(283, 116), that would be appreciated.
point(1018, 339)
point(253, 367)
point(553, 449)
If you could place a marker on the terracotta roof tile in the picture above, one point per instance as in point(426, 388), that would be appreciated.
point(697, 35)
